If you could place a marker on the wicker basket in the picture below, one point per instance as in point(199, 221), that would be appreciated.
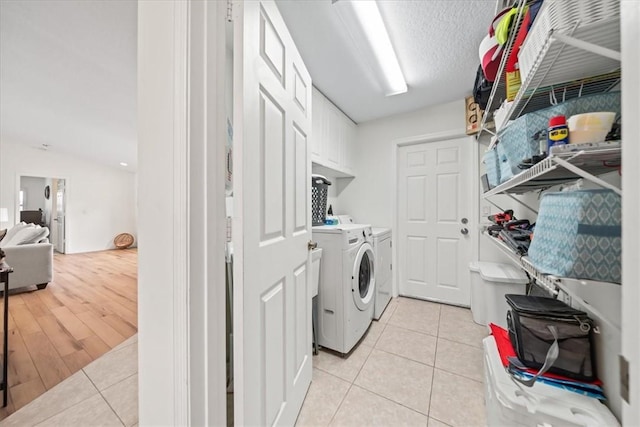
point(123, 241)
point(319, 189)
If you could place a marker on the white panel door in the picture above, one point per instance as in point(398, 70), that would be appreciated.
point(434, 247)
point(273, 128)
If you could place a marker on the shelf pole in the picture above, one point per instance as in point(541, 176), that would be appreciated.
point(503, 62)
point(589, 47)
point(490, 202)
point(522, 203)
point(586, 175)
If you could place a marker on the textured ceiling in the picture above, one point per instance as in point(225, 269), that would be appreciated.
point(68, 77)
point(436, 42)
point(68, 68)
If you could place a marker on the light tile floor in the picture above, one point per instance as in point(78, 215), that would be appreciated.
point(421, 364)
point(103, 393)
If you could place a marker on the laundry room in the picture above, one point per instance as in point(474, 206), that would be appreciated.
point(423, 213)
point(336, 212)
point(401, 331)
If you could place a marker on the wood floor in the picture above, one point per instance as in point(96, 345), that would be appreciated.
point(89, 308)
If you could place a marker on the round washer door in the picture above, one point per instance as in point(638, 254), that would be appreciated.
point(363, 282)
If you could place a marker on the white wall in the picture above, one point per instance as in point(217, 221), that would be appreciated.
point(33, 188)
point(370, 196)
point(630, 14)
point(101, 201)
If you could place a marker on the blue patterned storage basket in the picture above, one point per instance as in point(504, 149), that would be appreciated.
point(492, 167)
point(504, 166)
point(578, 234)
point(609, 101)
point(517, 140)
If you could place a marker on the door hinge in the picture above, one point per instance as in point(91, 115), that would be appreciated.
point(624, 378)
point(229, 11)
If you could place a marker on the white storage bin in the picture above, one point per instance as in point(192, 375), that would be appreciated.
point(490, 282)
point(511, 404)
point(316, 257)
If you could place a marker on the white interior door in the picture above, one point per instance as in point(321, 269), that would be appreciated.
point(272, 93)
point(434, 247)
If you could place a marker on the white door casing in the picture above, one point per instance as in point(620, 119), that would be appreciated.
point(60, 220)
point(272, 304)
point(434, 245)
point(181, 151)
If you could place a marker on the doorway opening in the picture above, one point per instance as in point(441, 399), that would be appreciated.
point(42, 201)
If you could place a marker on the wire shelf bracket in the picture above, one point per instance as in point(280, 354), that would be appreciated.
point(589, 47)
point(563, 168)
point(554, 285)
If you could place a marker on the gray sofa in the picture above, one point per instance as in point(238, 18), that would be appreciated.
point(32, 263)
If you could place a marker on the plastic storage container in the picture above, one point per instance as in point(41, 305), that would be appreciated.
point(510, 404)
point(316, 256)
point(518, 141)
point(490, 282)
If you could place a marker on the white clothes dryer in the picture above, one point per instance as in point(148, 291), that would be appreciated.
point(346, 293)
point(383, 253)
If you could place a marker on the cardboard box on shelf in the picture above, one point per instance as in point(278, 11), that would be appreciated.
point(473, 117)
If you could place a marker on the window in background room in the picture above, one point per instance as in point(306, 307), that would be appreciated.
point(22, 197)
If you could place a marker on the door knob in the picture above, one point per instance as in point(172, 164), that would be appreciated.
point(464, 231)
point(311, 245)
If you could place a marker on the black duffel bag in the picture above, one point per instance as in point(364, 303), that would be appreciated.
point(481, 89)
point(551, 336)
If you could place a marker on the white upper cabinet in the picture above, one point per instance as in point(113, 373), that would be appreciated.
point(347, 143)
point(332, 137)
point(317, 126)
point(332, 140)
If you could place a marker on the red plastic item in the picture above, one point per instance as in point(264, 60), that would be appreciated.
point(557, 121)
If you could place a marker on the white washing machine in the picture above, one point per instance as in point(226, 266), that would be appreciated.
point(346, 293)
point(383, 254)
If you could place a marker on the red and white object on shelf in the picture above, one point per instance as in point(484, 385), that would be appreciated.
point(490, 50)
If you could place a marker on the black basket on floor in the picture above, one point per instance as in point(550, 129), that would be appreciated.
point(319, 189)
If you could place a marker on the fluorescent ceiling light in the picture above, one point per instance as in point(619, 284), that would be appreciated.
point(124, 164)
point(363, 21)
